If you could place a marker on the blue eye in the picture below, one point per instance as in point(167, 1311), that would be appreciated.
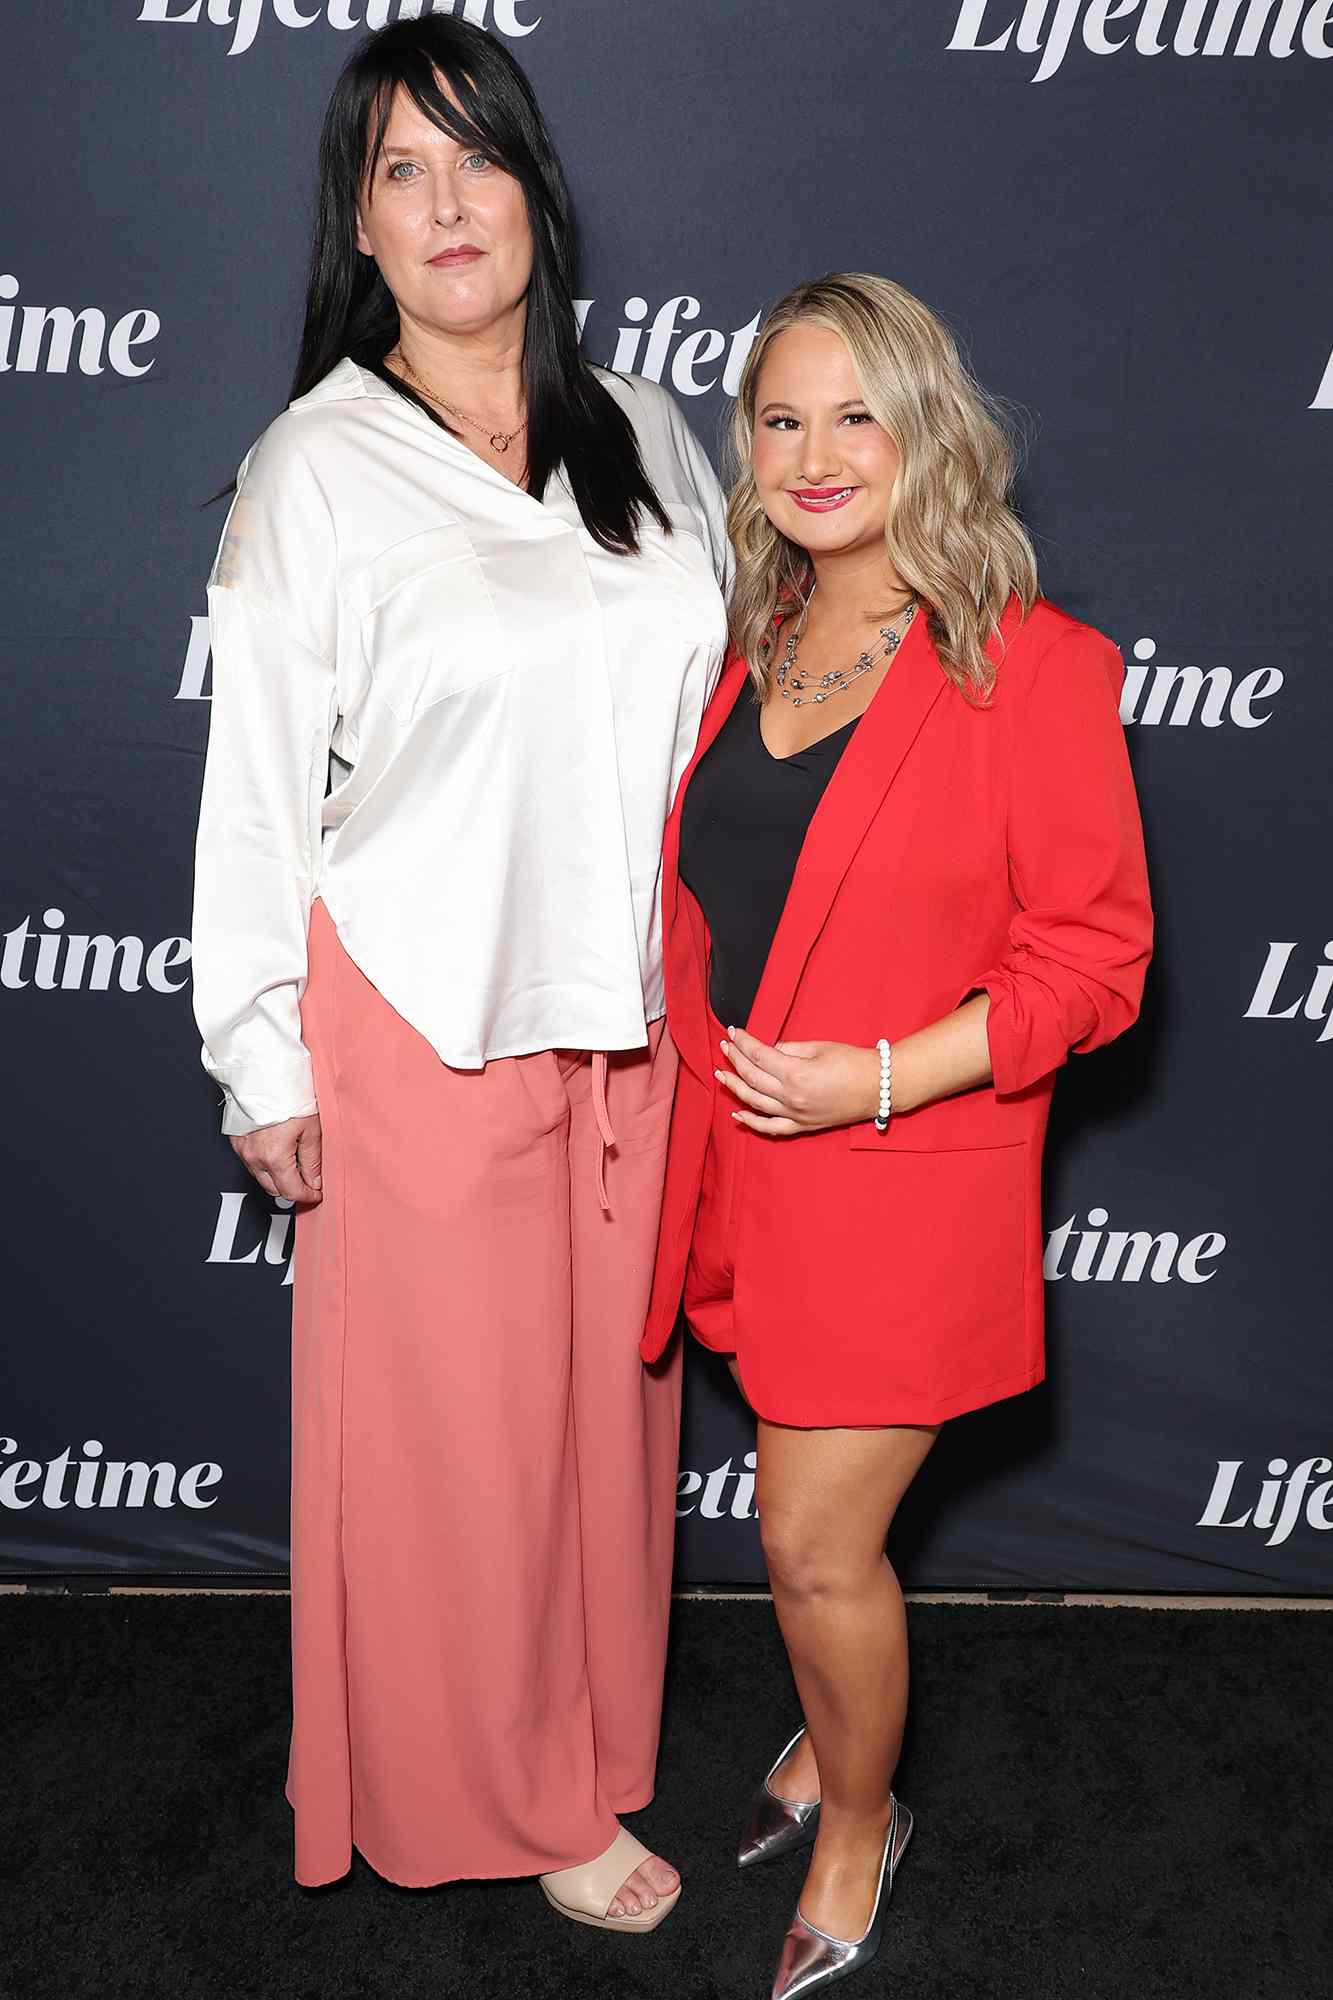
point(394, 173)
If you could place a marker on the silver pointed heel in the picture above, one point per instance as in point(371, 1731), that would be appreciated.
point(776, 1826)
point(812, 1958)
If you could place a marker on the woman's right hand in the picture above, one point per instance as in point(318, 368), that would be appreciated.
point(285, 1159)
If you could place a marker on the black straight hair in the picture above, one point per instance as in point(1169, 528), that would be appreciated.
point(572, 419)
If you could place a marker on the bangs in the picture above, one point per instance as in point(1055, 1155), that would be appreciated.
point(465, 121)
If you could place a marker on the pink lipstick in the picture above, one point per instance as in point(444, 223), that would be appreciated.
point(821, 499)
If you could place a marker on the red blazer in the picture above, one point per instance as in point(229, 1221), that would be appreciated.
point(956, 849)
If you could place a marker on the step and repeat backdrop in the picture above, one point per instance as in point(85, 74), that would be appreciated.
point(1123, 208)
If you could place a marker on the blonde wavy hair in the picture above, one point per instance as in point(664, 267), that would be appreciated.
point(950, 533)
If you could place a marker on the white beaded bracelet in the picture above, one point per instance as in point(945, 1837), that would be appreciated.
point(885, 1085)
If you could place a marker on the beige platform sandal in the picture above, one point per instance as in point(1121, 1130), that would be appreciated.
point(585, 1894)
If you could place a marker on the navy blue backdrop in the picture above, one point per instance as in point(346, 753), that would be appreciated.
point(1122, 207)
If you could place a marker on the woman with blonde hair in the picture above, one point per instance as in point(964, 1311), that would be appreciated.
point(904, 878)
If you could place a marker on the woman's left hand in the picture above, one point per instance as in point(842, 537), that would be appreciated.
point(799, 1086)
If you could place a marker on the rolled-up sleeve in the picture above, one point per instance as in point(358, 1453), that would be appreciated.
point(1080, 939)
point(273, 711)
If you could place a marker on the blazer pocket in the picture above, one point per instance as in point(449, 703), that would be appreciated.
point(945, 1283)
point(865, 1139)
point(429, 627)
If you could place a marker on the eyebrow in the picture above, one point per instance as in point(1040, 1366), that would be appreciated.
point(407, 152)
point(851, 403)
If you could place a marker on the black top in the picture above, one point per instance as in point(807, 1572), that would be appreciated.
point(742, 826)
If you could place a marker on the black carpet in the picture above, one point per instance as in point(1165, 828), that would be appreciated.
point(1108, 1803)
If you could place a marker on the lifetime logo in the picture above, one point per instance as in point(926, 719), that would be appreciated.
point(508, 17)
point(99, 1482)
point(661, 349)
point(1151, 27)
point(198, 659)
point(1323, 395)
point(72, 963)
point(714, 1502)
point(46, 337)
point(1314, 1004)
point(1156, 693)
point(1125, 1255)
point(275, 1240)
point(1283, 1497)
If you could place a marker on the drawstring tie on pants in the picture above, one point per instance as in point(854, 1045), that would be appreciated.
point(603, 1117)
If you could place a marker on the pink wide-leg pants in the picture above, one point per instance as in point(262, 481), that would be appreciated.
point(483, 1483)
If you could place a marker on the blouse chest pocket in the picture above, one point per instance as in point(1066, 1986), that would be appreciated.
point(685, 542)
point(683, 560)
point(428, 625)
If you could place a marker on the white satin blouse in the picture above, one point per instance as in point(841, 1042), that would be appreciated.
point(439, 705)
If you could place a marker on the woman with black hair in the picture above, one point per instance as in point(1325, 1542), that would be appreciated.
point(465, 616)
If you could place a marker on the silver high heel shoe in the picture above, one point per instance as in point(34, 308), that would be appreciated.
point(777, 1826)
point(812, 1958)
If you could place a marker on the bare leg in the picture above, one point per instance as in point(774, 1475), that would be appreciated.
point(797, 1776)
point(826, 1500)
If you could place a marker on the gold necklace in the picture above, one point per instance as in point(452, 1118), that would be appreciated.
point(795, 687)
point(500, 440)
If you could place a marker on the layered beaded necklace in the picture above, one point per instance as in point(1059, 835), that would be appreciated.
point(799, 689)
